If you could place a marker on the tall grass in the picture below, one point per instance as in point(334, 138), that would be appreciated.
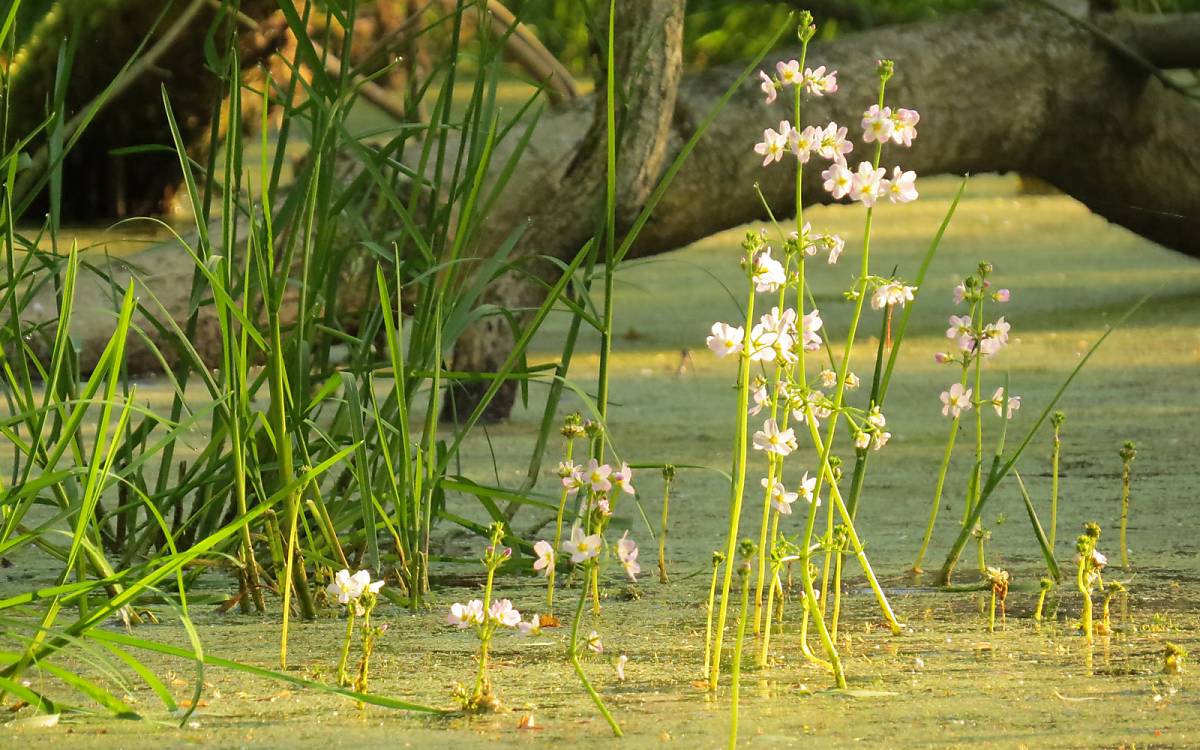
point(320, 445)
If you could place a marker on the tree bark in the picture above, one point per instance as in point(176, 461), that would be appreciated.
point(563, 214)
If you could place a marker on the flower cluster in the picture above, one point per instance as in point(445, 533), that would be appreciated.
point(868, 182)
point(975, 339)
point(352, 590)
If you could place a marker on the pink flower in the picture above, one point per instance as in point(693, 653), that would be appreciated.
point(533, 627)
point(878, 124)
point(903, 186)
point(943, 358)
point(627, 553)
point(502, 613)
point(624, 479)
point(572, 476)
point(803, 142)
point(961, 330)
point(818, 83)
point(789, 72)
point(904, 128)
point(956, 400)
point(838, 179)
point(582, 547)
point(892, 293)
point(768, 86)
point(596, 476)
point(810, 324)
point(1001, 295)
point(960, 293)
point(832, 143)
point(868, 184)
point(545, 557)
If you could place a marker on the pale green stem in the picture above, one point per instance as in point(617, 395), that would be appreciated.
point(343, 678)
point(737, 488)
point(562, 506)
point(574, 655)
point(737, 658)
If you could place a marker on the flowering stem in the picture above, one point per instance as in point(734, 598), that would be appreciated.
point(766, 633)
point(1128, 452)
point(343, 678)
point(744, 575)
point(737, 486)
point(482, 686)
point(837, 594)
point(712, 596)
point(562, 505)
point(1081, 576)
point(668, 475)
point(1055, 452)
point(937, 492)
point(574, 655)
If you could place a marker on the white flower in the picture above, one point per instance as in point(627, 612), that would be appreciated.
point(761, 398)
point(789, 72)
point(771, 439)
point(545, 557)
point(502, 613)
point(862, 439)
point(596, 476)
point(875, 418)
point(347, 588)
point(764, 343)
point(811, 323)
point(829, 378)
point(838, 179)
point(832, 143)
point(774, 144)
point(768, 273)
point(781, 499)
point(581, 547)
point(779, 322)
point(880, 439)
point(903, 186)
point(627, 553)
point(465, 615)
point(619, 666)
point(956, 400)
point(877, 124)
point(768, 86)
point(808, 485)
point(533, 627)
point(725, 339)
point(891, 293)
point(998, 403)
point(593, 642)
point(835, 245)
point(868, 184)
point(852, 381)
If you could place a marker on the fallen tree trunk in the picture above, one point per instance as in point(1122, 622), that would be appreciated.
point(1018, 89)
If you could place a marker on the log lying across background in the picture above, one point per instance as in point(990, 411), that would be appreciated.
point(1077, 102)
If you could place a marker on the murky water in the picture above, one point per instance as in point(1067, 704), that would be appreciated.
point(947, 681)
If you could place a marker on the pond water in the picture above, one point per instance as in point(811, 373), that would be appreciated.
point(946, 681)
